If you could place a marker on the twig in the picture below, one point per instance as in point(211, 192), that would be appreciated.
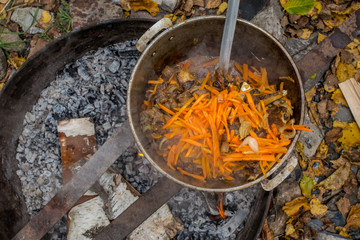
point(7, 3)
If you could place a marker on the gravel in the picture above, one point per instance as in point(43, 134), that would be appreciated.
point(95, 86)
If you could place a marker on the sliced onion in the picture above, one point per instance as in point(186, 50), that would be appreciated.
point(253, 144)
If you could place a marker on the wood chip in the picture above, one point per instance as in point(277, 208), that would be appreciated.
point(161, 225)
point(351, 91)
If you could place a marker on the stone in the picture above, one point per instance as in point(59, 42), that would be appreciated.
point(298, 47)
point(287, 191)
point(3, 64)
point(270, 20)
point(328, 236)
point(25, 18)
point(6, 37)
point(85, 12)
point(170, 5)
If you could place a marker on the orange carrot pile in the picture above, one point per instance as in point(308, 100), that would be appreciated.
point(203, 128)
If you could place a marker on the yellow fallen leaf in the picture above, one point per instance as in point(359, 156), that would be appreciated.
point(17, 61)
point(3, 15)
point(353, 219)
point(337, 179)
point(318, 170)
point(126, 14)
point(222, 8)
point(321, 37)
point(345, 71)
point(317, 208)
point(335, 20)
point(354, 6)
point(45, 16)
point(148, 5)
point(289, 229)
point(306, 186)
point(322, 150)
point(310, 94)
point(342, 232)
point(1, 85)
point(351, 134)
point(306, 33)
point(338, 97)
point(296, 206)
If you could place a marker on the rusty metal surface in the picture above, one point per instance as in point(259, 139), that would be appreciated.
point(140, 210)
point(61, 203)
point(324, 53)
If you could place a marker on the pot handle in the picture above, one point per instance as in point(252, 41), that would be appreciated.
point(151, 32)
point(290, 164)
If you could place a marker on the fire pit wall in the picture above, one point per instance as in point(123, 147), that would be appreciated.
point(23, 90)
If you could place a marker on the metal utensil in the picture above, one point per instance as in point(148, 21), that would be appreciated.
point(228, 33)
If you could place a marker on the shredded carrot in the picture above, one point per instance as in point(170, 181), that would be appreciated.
point(183, 172)
point(300, 128)
point(159, 81)
point(156, 137)
point(206, 121)
point(166, 109)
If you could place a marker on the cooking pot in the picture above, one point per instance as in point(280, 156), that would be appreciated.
point(202, 36)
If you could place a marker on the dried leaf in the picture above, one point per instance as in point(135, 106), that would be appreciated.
point(296, 206)
point(306, 185)
point(306, 33)
point(148, 5)
point(222, 8)
point(266, 232)
point(334, 21)
point(289, 229)
point(321, 37)
point(45, 16)
point(342, 232)
point(317, 208)
point(351, 134)
point(345, 71)
point(336, 180)
point(343, 205)
point(300, 7)
point(331, 83)
point(310, 94)
point(353, 219)
point(212, 3)
point(17, 61)
point(338, 162)
point(354, 6)
point(338, 97)
point(322, 150)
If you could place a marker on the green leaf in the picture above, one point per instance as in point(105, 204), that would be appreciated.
point(306, 185)
point(300, 7)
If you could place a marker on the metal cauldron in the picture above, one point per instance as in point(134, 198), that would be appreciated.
point(202, 36)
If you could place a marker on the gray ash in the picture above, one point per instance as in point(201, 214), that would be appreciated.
point(95, 86)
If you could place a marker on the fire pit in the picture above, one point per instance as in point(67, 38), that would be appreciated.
point(92, 85)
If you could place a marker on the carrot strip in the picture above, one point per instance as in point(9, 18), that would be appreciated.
point(166, 109)
point(173, 118)
point(193, 142)
point(207, 64)
point(205, 81)
point(198, 177)
point(154, 136)
point(159, 81)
